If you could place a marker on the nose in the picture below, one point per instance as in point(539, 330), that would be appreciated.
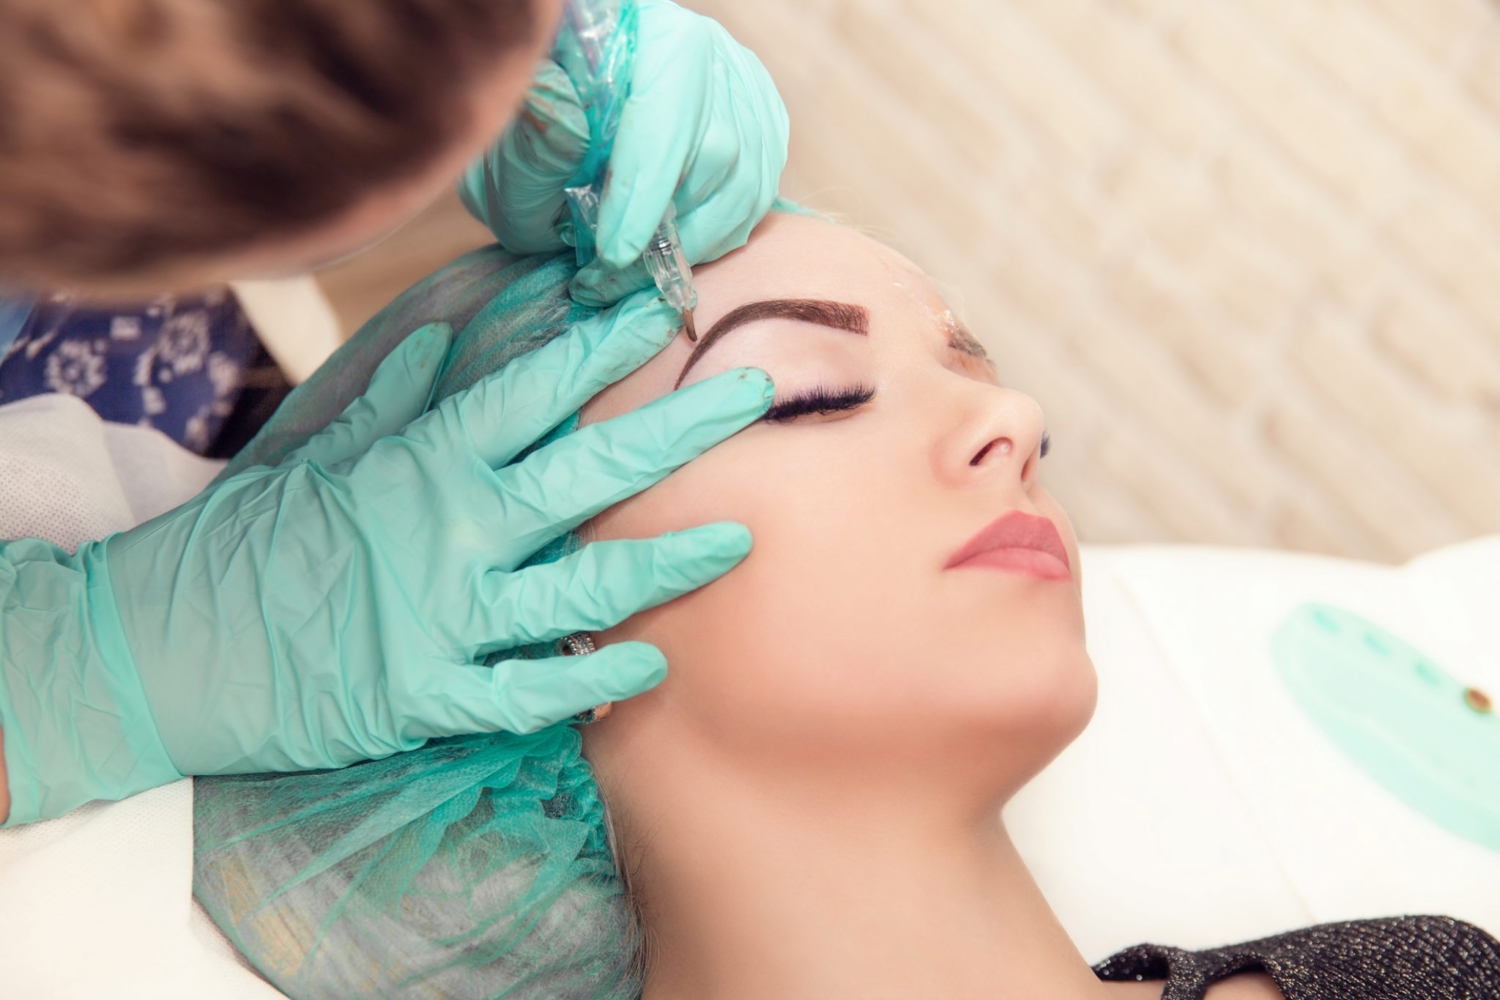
point(993, 433)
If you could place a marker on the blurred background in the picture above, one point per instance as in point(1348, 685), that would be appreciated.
point(1246, 254)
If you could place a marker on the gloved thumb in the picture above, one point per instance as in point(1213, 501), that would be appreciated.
point(516, 187)
point(398, 393)
point(598, 285)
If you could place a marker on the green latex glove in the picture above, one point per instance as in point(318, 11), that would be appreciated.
point(335, 608)
point(703, 128)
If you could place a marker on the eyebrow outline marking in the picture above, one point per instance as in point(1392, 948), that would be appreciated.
point(823, 312)
point(964, 342)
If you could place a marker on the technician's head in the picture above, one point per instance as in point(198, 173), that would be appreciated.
point(151, 143)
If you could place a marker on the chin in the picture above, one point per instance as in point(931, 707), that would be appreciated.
point(1076, 709)
point(1062, 702)
point(1027, 720)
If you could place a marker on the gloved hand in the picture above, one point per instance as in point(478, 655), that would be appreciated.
point(336, 607)
point(703, 128)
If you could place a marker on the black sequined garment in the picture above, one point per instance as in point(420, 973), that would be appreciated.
point(1401, 958)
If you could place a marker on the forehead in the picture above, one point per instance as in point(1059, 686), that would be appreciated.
point(795, 256)
point(788, 257)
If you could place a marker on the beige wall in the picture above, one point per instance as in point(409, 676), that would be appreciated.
point(1247, 253)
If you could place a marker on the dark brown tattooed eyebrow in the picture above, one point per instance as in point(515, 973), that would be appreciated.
point(835, 315)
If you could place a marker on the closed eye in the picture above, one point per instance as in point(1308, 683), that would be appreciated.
point(819, 401)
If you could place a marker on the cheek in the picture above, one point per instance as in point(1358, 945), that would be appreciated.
point(795, 633)
point(841, 627)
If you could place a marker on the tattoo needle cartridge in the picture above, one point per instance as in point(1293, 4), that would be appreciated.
point(669, 269)
point(596, 48)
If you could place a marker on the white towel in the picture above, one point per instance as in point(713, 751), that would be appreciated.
point(1203, 806)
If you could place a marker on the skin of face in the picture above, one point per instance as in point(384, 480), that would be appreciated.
point(841, 650)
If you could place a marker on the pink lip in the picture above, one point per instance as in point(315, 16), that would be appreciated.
point(1018, 542)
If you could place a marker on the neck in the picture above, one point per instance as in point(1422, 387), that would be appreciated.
point(809, 892)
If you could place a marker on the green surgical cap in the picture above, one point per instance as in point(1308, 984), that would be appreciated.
point(473, 867)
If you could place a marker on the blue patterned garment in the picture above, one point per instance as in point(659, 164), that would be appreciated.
point(175, 364)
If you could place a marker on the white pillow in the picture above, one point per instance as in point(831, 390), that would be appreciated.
point(1203, 805)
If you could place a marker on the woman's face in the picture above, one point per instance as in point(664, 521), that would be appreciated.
point(848, 633)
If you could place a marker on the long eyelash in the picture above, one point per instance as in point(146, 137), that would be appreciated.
point(819, 400)
point(1046, 445)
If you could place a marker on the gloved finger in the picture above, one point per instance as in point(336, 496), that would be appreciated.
point(711, 237)
point(398, 393)
point(516, 187)
point(734, 182)
point(724, 208)
point(504, 413)
point(560, 486)
point(648, 160)
point(730, 187)
point(605, 583)
point(522, 696)
point(598, 284)
point(710, 230)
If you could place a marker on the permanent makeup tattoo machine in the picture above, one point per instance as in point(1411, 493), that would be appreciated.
point(596, 48)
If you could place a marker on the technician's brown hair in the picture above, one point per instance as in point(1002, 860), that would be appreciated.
point(139, 135)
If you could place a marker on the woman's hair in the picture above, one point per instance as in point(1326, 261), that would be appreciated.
point(136, 135)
